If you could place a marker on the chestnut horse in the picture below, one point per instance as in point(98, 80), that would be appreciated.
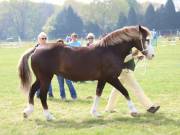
point(103, 62)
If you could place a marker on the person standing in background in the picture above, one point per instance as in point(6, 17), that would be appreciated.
point(73, 43)
point(90, 39)
point(154, 37)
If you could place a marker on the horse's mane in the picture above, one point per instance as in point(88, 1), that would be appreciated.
point(121, 35)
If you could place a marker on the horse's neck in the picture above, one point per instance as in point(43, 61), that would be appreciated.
point(123, 49)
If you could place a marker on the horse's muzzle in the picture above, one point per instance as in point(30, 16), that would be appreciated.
point(150, 56)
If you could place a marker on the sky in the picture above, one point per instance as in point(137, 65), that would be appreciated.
point(153, 1)
point(60, 2)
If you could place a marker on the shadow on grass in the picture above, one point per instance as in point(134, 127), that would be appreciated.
point(148, 119)
point(81, 101)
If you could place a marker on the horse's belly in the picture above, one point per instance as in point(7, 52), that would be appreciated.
point(81, 70)
point(81, 75)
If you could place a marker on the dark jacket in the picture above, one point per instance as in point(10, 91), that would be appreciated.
point(130, 64)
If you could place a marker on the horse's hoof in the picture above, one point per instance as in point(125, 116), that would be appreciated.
point(153, 109)
point(48, 115)
point(27, 111)
point(134, 114)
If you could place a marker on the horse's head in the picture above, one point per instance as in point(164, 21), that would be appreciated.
point(143, 43)
point(132, 36)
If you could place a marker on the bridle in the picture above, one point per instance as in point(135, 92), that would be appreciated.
point(143, 49)
point(141, 42)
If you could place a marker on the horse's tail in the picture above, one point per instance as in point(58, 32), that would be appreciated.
point(24, 70)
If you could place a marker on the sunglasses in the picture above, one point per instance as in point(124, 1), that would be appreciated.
point(43, 38)
point(90, 38)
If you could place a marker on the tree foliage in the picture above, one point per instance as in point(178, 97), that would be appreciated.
point(65, 23)
point(25, 19)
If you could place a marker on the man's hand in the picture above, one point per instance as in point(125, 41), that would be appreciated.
point(135, 53)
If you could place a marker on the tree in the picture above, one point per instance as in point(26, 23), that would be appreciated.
point(39, 15)
point(169, 15)
point(66, 22)
point(24, 19)
point(178, 20)
point(5, 22)
point(92, 27)
point(19, 15)
point(149, 18)
point(134, 4)
point(122, 21)
point(132, 17)
point(105, 13)
point(166, 16)
point(159, 22)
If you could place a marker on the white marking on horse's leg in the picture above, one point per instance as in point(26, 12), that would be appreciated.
point(132, 107)
point(28, 110)
point(94, 107)
point(48, 115)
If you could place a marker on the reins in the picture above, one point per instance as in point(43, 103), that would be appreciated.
point(144, 59)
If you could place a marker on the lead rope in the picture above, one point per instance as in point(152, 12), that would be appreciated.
point(144, 61)
point(143, 65)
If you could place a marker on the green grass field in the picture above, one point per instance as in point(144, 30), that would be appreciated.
point(161, 83)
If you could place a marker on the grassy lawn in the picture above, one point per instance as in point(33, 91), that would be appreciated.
point(161, 83)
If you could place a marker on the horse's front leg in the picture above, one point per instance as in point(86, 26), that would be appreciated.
point(99, 91)
point(117, 84)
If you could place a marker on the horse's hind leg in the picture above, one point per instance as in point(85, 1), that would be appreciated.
point(99, 90)
point(43, 96)
point(117, 84)
point(30, 107)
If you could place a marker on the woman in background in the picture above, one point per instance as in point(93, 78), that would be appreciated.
point(90, 39)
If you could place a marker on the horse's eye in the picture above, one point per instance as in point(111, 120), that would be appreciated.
point(147, 40)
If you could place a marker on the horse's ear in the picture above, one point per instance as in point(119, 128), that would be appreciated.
point(140, 28)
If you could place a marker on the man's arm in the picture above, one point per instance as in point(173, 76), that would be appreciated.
point(133, 55)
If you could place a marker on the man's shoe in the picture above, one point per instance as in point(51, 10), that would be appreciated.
point(153, 109)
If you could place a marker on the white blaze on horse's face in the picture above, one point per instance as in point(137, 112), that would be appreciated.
point(149, 49)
